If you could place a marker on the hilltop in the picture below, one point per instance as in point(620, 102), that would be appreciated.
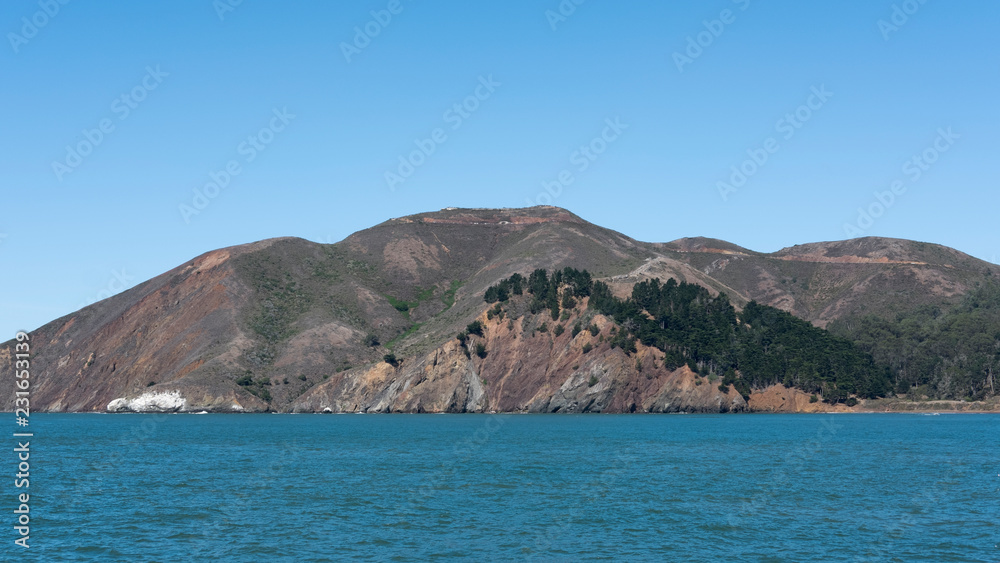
point(287, 324)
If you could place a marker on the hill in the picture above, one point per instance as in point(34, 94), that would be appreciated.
point(287, 324)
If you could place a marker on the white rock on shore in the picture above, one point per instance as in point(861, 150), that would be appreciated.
point(156, 401)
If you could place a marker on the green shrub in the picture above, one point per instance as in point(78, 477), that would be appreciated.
point(536, 306)
point(391, 359)
point(587, 348)
point(576, 329)
point(593, 381)
point(371, 339)
point(475, 327)
point(448, 297)
point(481, 350)
point(593, 329)
point(813, 398)
point(558, 330)
point(245, 380)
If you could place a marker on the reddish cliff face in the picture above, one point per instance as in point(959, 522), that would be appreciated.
point(286, 324)
point(525, 370)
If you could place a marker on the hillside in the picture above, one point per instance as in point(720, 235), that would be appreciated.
point(287, 324)
point(821, 282)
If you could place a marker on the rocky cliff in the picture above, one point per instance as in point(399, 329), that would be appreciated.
point(526, 368)
point(290, 325)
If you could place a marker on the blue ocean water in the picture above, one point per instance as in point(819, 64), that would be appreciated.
point(892, 487)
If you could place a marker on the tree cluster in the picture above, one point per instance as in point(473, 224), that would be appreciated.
point(942, 354)
point(752, 349)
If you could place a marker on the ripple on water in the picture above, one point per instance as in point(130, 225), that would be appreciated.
point(695, 488)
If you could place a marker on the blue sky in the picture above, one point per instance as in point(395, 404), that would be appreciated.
point(309, 116)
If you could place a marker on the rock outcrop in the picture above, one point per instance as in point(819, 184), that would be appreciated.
point(524, 370)
point(287, 324)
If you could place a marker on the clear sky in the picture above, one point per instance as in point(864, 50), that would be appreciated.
point(115, 113)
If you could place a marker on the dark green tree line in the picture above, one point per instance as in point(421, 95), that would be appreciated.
point(754, 348)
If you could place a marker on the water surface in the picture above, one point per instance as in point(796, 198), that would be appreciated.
point(896, 487)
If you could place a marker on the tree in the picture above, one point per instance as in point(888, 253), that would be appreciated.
point(475, 327)
point(538, 284)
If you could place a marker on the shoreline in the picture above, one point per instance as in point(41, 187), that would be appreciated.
point(929, 412)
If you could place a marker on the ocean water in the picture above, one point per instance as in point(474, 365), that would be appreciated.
point(893, 487)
